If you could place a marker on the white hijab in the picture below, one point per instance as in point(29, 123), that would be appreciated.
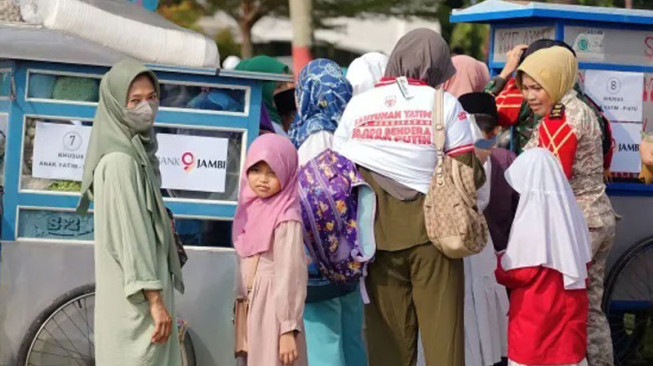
point(364, 72)
point(549, 229)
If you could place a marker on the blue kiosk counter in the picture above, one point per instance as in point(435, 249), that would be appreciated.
point(614, 48)
point(48, 95)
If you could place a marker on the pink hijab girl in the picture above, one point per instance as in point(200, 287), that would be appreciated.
point(267, 235)
point(471, 76)
point(256, 217)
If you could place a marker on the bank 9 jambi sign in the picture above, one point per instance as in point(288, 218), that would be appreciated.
point(192, 163)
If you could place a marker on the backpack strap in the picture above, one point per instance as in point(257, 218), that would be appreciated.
point(437, 123)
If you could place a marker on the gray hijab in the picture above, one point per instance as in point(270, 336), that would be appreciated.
point(421, 54)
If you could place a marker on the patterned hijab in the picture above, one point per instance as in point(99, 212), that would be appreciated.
point(322, 94)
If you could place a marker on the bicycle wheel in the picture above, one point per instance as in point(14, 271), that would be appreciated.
point(628, 304)
point(62, 334)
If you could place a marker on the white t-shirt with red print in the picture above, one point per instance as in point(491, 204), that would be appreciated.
point(389, 131)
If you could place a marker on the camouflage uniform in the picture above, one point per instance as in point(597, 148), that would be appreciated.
point(587, 183)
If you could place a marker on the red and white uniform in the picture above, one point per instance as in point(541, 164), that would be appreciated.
point(509, 103)
point(547, 324)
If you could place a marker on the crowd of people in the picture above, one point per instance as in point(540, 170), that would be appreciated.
point(335, 264)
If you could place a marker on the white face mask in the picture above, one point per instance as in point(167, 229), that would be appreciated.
point(141, 118)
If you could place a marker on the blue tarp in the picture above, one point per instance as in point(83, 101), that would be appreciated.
point(148, 4)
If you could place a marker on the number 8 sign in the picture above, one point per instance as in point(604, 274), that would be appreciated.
point(614, 85)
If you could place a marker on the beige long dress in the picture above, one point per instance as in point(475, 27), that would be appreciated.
point(277, 297)
point(127, 261)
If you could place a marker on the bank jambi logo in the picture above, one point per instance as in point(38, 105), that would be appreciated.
point(188, 159)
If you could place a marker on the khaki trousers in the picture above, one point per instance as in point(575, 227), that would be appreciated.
point(410, 290)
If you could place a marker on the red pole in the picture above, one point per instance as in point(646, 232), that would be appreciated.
point(302, 30)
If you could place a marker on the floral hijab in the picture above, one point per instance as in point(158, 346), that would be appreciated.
point(322, 94)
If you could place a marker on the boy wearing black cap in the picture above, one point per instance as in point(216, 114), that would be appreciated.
point(500, 211)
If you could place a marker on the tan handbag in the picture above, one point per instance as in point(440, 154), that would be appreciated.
point(241, 313)
point(453, 222)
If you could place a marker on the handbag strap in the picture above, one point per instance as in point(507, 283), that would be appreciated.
point(437, 123)
point(252, 273)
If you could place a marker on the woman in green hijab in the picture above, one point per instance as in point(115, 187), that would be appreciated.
point(136, 264)
point(269, 65)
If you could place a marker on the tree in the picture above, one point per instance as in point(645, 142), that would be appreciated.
point(248, 12)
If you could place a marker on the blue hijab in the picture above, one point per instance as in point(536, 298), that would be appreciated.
point(322, 94)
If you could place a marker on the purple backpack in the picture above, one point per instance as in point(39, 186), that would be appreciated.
point(338, 212)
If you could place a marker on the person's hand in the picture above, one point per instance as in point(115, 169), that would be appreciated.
point(607, 176)
point(512, 61)
point(482, 154)
point(646, 151)
point(288, 349)
point(161, 317)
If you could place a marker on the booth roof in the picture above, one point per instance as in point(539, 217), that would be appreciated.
point(502, 10)
point(19, 41)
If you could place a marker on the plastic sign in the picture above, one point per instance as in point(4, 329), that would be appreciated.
point(626, 154)
point(193, 163)
point(619, 94)
point(589, 45)
point(611, 46)
point(59, 151)
point(505, 39)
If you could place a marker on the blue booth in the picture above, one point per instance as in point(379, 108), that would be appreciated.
point(48, 96)
point(614, 48)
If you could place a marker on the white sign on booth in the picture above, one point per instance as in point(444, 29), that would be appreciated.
point(59, 151)
point(193, 163)
point(589, 45)
point(505, 39)
point(611, 45)
point(627, 138)
point(619, 94)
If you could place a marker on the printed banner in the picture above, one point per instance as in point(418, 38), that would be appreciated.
point(619, 94)
point(59, 151)
point(193, 163)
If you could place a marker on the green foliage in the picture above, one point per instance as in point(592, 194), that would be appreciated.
point(471, 38)
point(227, 45)
point(184, 13)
